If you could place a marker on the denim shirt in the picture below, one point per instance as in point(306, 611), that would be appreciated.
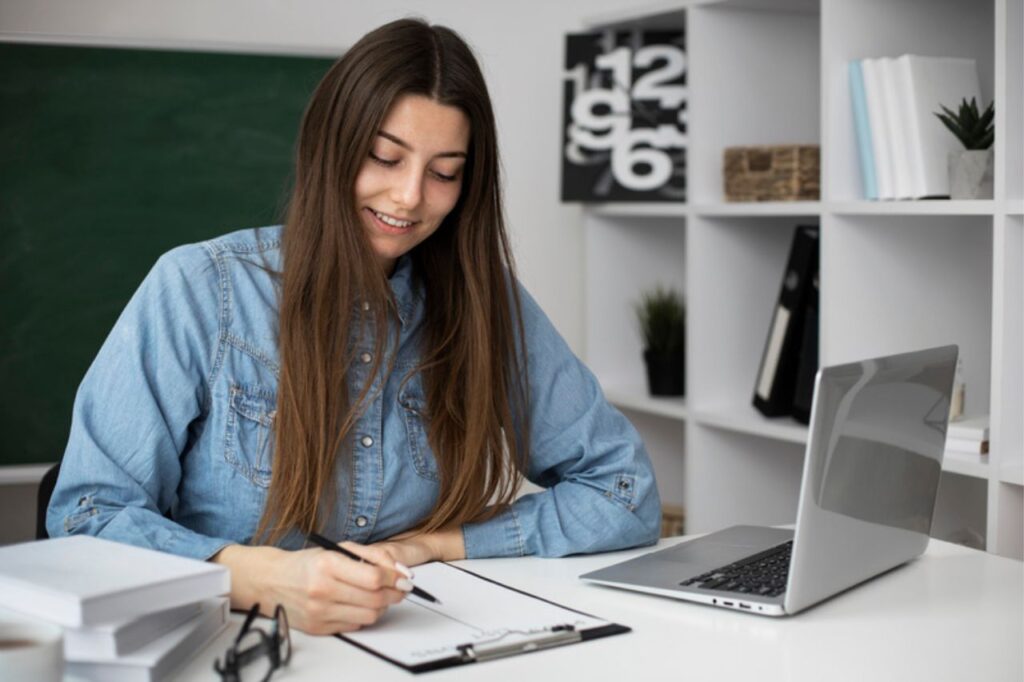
point(171, 437)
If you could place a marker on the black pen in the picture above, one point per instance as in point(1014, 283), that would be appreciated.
point(320, 540)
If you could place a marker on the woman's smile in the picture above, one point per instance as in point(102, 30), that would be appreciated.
point(390, 224)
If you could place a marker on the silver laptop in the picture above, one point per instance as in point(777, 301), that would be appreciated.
point(871, 474)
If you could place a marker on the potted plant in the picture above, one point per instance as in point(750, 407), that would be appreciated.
point(970, 171)
point(662, 316)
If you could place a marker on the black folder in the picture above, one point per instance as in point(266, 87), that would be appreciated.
point(775, 388)
point(803, 394)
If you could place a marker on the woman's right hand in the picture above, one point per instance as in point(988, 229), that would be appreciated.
point(323, 592)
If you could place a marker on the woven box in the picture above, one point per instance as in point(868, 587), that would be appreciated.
point(780, 173)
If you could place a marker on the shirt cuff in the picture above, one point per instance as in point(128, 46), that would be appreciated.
point(497, 537)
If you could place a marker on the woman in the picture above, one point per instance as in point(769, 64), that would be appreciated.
point(371, 371)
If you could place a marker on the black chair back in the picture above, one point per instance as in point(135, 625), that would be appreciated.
point(46, 487)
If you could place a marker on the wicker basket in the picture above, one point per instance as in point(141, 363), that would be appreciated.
point(783, 173)
point(673, 521)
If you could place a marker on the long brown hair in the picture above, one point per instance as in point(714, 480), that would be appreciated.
point(472, 357)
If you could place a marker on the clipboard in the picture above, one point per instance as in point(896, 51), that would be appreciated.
point(478, 620)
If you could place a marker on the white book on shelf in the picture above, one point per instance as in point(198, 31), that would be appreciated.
point(967, 446)
point(895, 124)
point(117, 639)
point(970, 428)
point(158, 659)
point(933, 82)
point(81, 580)
point(875, 96)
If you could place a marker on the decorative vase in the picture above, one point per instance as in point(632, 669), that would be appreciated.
point(666, 373)
point(970, 174)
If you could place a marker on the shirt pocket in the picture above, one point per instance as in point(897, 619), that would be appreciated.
point(413, 406)
point(248, 442)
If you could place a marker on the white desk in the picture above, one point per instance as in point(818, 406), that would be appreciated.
point(954, 614)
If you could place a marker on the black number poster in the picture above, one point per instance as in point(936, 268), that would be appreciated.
point(624, 135)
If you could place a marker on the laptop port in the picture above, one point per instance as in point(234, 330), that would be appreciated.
point(727, 603)
point(744, 606)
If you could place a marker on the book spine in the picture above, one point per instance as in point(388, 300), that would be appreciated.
point(894, 117)
point(29, 599)
point(862, 127)
point(110, 641)
point(912, 126)
point(879, 136)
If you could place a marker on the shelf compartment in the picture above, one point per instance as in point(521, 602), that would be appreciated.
point(641, 401)
point(735, 478)
point(896, 284)
point(735, 288)
point(741, 98)
point(883, 28)
point(945, 207)
point(625, 257)
point(746, 419)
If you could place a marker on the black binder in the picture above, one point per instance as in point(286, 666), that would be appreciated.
point(808, 368)
point(775, 388)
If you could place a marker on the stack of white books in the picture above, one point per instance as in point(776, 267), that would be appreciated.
point(967, 436)
point(128, 613)
point(903, 146)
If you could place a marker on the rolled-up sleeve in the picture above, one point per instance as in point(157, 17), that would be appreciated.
point(599, 488)
point(135, 410)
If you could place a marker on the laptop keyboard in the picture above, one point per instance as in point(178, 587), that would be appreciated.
point(763, 574)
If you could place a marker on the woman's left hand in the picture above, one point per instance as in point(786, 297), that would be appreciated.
point(414, 548)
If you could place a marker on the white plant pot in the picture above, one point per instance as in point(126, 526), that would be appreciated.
point(970, 174)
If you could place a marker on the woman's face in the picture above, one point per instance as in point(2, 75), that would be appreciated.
point(413, 176)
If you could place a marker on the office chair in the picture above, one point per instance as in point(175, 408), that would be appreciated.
point(46, 487)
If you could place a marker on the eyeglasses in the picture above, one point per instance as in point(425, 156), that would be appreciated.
point(255, 655)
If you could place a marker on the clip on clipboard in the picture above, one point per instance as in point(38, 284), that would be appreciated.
point(479, 620)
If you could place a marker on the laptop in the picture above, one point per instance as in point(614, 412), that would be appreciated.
point(871, 473)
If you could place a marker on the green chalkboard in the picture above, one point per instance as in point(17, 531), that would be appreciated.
point(108, 158)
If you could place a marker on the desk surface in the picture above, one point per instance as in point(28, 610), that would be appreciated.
point(953, 614)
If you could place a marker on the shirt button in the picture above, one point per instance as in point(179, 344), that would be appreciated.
point(366, 357)
point(361, 521)
point(367, 441)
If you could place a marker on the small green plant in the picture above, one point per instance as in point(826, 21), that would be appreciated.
point(974, 130)
point(662, 316)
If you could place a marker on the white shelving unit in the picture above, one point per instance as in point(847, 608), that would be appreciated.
point(894, 275)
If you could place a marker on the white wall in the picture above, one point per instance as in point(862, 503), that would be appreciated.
point(520, 47)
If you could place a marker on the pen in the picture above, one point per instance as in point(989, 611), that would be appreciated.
point(320, 540)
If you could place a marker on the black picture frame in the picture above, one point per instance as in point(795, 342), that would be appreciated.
point(624, 130)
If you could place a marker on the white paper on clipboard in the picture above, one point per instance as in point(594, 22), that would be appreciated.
point(474, 611)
